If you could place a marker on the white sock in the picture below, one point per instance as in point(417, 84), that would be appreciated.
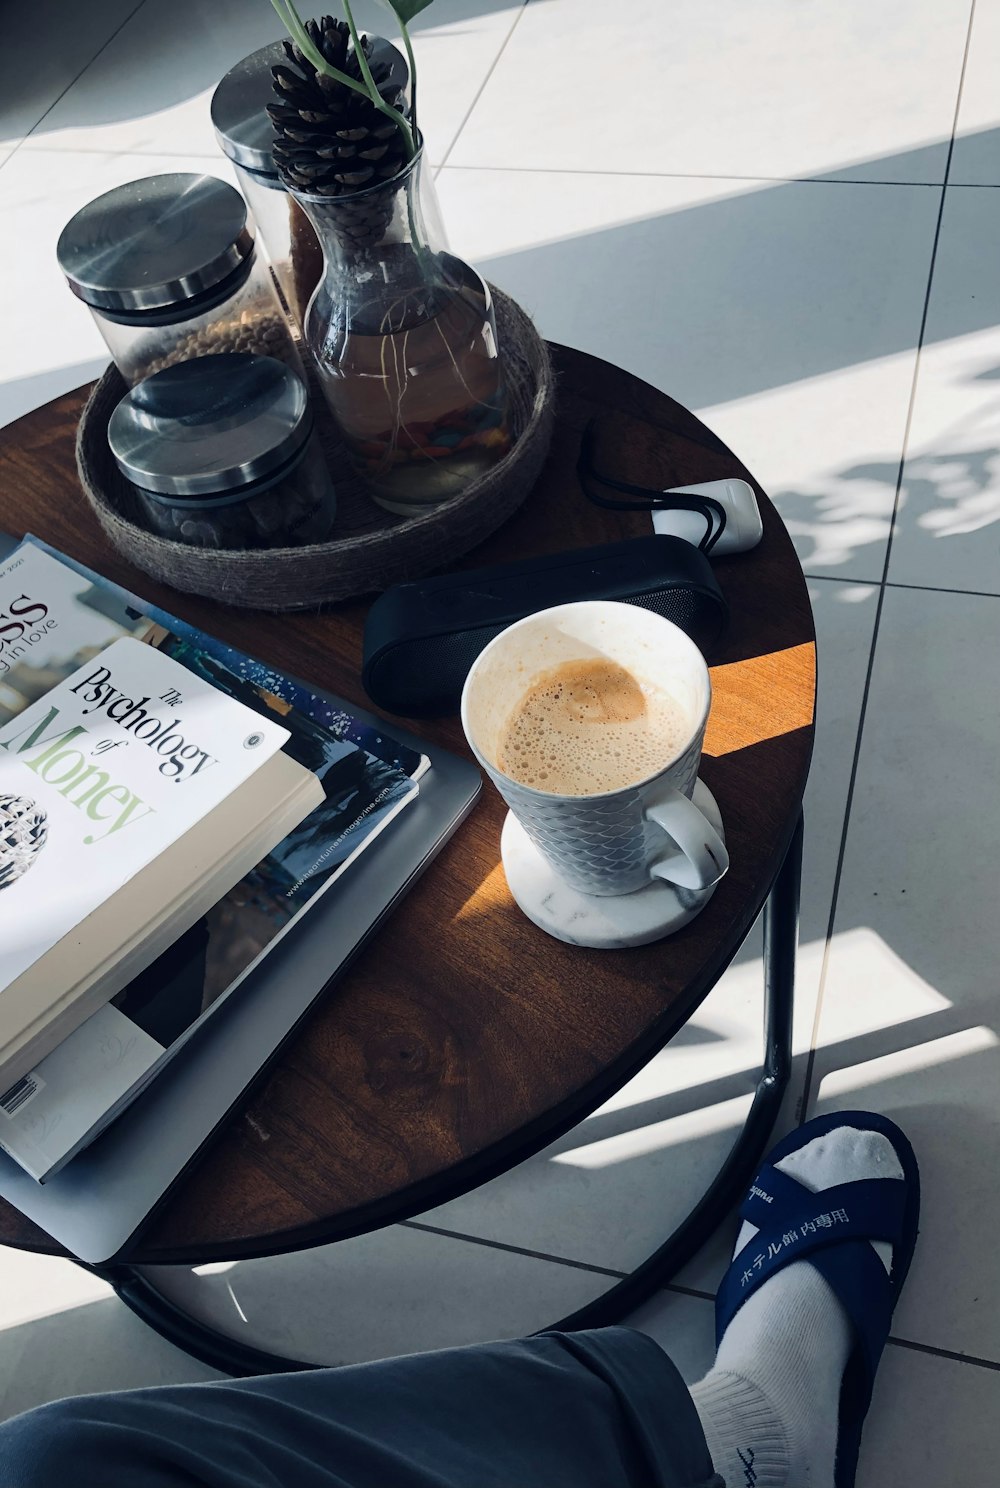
point(769, 1406)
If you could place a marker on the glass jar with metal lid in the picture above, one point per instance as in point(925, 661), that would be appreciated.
point(168, 269)
point(221, 452)
point(246, 134)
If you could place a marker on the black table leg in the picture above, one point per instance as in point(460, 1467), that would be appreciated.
point(781, 913)
point(236, 1359)
point(781, 924)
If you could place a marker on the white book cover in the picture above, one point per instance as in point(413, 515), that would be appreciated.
point(102, 774)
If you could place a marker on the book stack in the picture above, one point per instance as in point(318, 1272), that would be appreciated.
point(169, 807)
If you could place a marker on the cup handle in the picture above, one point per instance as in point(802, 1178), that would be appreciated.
point(700, 858)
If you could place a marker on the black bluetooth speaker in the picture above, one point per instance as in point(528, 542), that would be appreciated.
point(422, 638)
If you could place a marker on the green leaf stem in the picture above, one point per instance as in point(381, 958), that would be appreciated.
point(373, 93)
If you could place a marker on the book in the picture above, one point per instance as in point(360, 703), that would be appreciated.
point(367, 777)
point(131, 928)
point(103, 777)
point(93, 794)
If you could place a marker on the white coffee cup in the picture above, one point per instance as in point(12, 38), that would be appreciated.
point(621, 840)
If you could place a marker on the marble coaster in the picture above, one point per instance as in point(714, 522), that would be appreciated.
point(605, 922)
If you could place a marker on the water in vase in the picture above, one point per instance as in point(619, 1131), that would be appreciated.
point(409, 367)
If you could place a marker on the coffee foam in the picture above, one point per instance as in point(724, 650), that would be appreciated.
point(591, 726)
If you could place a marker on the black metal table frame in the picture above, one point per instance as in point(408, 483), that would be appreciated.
point(725, 1193)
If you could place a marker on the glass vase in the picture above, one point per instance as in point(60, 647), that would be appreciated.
point(404, 340)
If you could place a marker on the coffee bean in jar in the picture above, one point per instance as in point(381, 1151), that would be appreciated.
point(221, 452)
point(169, 270)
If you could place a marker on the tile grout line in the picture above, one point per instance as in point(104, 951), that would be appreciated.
point(675, 1287)
point(578, 170)
point(522, 1250)
point(807, 1084)
point(543, 1255)
point(683, 1291)
point(511, 170)
point(943, 1353)
point(72, 82)
point(479, 91)
point(528, 170)
point(841, 579)
point(898, 584)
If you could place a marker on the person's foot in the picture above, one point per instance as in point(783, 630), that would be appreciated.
point(769, 1407)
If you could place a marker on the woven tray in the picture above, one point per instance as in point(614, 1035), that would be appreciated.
point(373, 548)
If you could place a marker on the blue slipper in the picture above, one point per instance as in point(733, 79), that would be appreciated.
point(832, 1229)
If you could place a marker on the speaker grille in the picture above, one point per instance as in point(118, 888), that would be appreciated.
point(684, 607)
point(424, 677)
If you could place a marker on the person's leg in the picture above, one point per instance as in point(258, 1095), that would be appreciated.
point(770, 1405)
point(601, 1409)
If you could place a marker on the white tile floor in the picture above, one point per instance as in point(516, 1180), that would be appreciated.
point(743, 206)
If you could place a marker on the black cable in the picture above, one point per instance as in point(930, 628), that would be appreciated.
point(645, 498)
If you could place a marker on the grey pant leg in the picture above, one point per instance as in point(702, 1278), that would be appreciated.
point(600, 1409)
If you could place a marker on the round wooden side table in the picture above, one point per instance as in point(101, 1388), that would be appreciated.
point(463, 1039)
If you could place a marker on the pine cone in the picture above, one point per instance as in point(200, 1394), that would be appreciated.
point(331, 141)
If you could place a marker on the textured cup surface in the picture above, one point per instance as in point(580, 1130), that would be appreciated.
point(601, 844)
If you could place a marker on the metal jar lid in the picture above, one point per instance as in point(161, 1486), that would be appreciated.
point(239, 104)
point(210, 425)
point(156, 242)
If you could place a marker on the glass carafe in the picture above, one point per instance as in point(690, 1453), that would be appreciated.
point(404, 339)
